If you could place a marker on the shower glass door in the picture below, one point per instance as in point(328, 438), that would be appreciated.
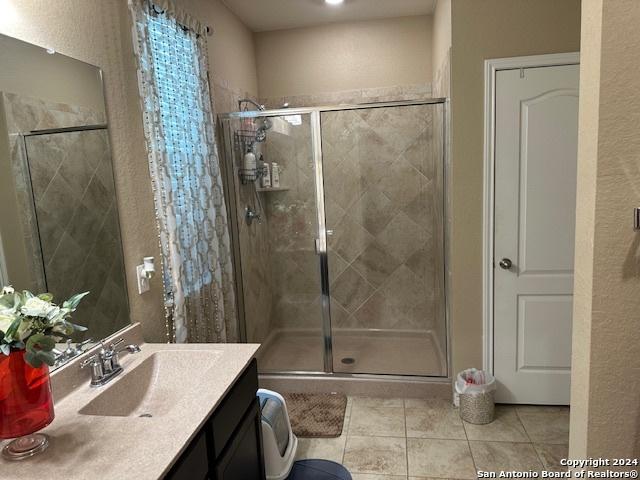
point(279, 271)
point(384, 200)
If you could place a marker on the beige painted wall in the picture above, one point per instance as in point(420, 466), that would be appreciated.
point(99, 32)
point(344, 56)
point(605, 412)
point(483, 30)
point(441, 34)
point(232, 56)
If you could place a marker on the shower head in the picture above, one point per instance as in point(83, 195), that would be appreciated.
point(261, 131)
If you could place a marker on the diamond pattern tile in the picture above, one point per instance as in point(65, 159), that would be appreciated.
point(402, 237)
point(373, 211)
point(375, 264)
point(402, 183)
point(349, 239)
point(350, 289)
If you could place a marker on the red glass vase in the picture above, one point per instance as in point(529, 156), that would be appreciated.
point(26, 405)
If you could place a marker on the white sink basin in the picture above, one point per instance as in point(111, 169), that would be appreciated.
point(154, 387)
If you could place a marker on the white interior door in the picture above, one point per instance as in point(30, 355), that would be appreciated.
point(536, 135)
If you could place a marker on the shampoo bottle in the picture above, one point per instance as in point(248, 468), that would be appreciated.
point(275, 175)
point(249, 163)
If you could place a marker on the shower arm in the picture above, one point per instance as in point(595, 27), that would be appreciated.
point(252, 102)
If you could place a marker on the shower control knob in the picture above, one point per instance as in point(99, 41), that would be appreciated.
point(505, 264)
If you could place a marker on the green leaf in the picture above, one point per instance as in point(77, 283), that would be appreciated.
point(39, 350)
point(73, 302)
point(47, 357)
point(78, 328)
point(40, 342)
point(13, 328)
point(32, 359)
point(47, 297)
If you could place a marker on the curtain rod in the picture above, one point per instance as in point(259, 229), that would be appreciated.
point(158, 10)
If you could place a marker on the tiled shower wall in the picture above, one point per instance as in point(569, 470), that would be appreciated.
point(365, 95)
point(253, 241)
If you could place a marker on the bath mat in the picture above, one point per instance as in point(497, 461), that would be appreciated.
point(316, 415)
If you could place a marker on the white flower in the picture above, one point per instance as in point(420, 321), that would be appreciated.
point(8, 290)
point(35, 307)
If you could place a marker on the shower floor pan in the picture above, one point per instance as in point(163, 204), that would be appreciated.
point(378, 352)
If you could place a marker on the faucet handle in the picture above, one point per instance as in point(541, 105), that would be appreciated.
point(107, 351)
point(91, 361)
point(112, 347)
point(80, 346)
point(69, 352)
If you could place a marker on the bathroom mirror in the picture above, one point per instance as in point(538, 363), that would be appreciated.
point(59, 225)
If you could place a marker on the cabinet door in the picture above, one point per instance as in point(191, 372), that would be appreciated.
point(193, 465)
point(243, 456)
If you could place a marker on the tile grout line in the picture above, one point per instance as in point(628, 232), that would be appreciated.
point(466, 435)
point(406, 434)
point(346, 429)
point(533, 445)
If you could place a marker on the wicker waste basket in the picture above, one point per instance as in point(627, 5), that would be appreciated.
point(476, 390)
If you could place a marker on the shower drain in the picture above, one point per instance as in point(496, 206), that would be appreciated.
point(146, 415)
point(348, 360)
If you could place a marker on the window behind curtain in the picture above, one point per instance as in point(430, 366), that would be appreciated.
point(176, 74)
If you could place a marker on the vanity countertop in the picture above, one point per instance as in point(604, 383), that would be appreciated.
point(84, 446)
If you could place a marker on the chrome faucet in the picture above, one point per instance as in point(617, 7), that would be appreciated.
point(63, 356)
point(105, 365)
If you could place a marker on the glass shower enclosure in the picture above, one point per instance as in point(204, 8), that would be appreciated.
point(340, 268)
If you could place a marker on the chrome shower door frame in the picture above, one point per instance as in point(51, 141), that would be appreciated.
point(321, 241)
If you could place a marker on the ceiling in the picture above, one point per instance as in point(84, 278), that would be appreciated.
point(263, 15)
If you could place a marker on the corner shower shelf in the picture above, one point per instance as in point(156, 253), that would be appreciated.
point(273, 189)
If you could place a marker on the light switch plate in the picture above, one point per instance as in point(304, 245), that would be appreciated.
point(143, 281)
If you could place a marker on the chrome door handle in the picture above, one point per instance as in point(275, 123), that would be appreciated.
point(506, 264)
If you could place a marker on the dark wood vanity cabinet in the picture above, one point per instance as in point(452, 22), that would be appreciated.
point(229, 446)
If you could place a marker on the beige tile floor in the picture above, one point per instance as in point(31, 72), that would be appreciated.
point(400, 439)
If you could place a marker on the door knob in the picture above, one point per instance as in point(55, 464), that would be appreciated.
point(505, 264)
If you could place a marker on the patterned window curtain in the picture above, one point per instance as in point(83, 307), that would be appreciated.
point(185, 173)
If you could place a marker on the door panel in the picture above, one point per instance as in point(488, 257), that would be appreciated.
point(547, 199)
point(535, 186)
point(544, 324)
point(383, 184)
point(279, 264)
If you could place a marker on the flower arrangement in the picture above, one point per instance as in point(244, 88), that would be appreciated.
point(34, 323)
